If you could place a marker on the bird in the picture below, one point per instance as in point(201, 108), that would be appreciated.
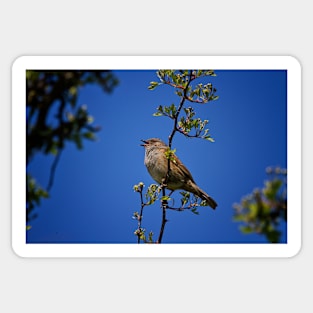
point(179, 177)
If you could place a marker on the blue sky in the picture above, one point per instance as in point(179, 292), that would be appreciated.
point(92, 199)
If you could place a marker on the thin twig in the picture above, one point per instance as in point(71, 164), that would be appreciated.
point(140, 216)
point(164, 220)
point(181, 104)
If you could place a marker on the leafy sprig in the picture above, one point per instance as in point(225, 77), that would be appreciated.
point(189, 125)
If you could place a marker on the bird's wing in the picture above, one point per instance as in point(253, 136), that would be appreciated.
point(176, 162)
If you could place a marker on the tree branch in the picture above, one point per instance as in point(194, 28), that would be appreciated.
point(53, 170)
point(170, 139)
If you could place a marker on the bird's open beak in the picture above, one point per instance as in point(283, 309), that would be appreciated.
point(145, 142)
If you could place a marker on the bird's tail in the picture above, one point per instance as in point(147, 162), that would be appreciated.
point(210, 201)
point(204, 196)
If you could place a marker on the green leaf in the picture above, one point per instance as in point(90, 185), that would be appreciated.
point(78, 141)
point(197, 92)
point(170, 154)
point(194, 211)
point(73, 90)
point(153, 85)
point(246, 229)
point(186, 197)
point(253, 210)
point(54, 150)
point(160, 111)
point(173, 110)
point(271, 188)
point(209, 138)
point(179, 93)
point(89, 135)
point(165, 198)
point(150, 237)
point(273, 236)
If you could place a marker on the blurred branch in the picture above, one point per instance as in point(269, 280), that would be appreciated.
point(264, 210)
point(52, 171)
point(53, 117)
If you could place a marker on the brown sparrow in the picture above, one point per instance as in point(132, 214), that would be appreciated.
point(179, 176)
